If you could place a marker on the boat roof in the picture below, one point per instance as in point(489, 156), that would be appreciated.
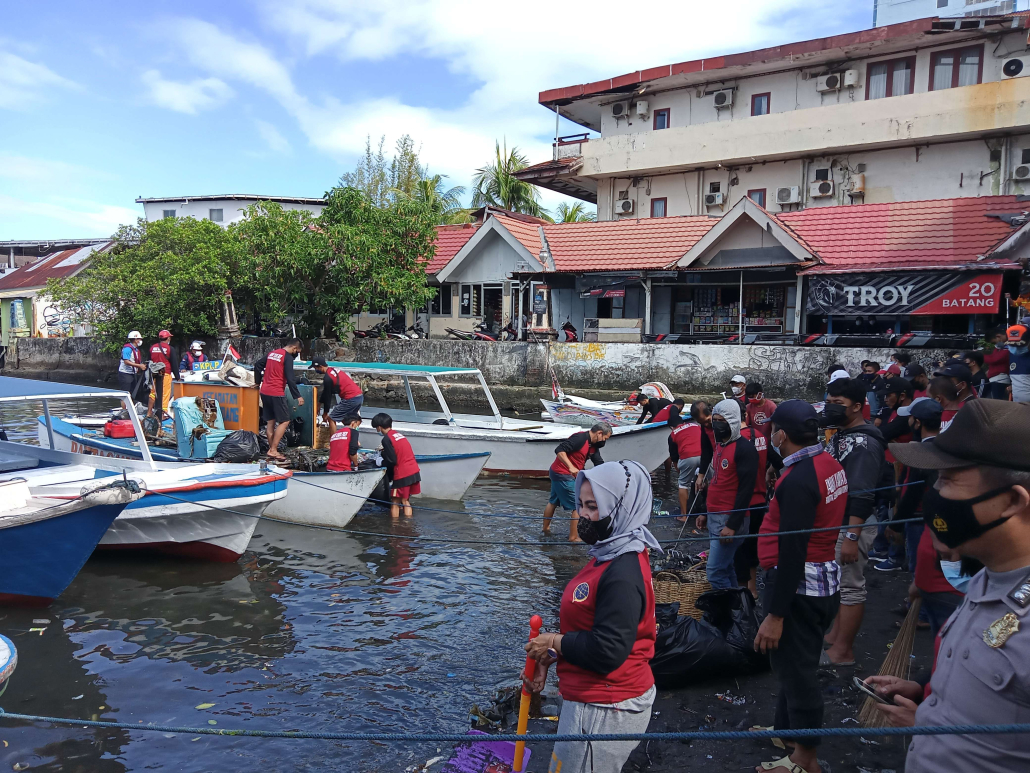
point(12, 389)
point(395, 369)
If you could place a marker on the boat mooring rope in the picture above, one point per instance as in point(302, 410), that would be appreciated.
point(697, 735)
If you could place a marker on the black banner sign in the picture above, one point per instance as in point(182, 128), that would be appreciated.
point(925, 292)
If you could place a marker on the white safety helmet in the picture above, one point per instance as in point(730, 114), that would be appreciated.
point(197, 345)
point(134, 336)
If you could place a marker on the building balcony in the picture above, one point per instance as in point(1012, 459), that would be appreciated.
point(985, 110)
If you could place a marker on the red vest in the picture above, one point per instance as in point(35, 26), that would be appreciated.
point(630, 680)
point(344, 384)
point(928, 576)
point(761, 442)
point(758, 415)
point(137, 356)
point(273, 382)
point(722, 489)
point(662, 415)
point(946, 418)
point(162, 353)
point(833, 497)
point(577, 457)
point(406, 464)
point(339, 450)
point(192, 358)
point(687, 437)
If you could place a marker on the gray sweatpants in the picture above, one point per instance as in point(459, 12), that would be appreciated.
point(629, 716)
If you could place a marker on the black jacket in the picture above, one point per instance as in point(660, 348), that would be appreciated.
point(860, 452)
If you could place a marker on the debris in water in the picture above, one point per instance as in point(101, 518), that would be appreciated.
point(78, 698)
point(41, 621)
point(848, 719)
point(212, 722)
point(37, 630)
point(205, 706)
point(868, 742)
point(726, 697)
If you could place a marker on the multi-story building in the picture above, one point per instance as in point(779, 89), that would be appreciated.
point(222, 209)
point(928, 109)
point(887, 12)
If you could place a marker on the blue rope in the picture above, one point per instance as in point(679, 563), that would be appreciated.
point(699, 735)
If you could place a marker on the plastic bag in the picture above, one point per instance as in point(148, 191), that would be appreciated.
point(665, 614)
point(293, 432)
point(263, 444)
point(240, 446)
point(734, 612)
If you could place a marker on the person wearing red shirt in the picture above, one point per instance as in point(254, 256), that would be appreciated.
point(997, 363)
point(273, 373)
point(336, 383)
point(401, 467)
point(745, 562)
point(943, 390)
point(685, 453)
point(920, 381)
point(570, 456)
point(343, 445)
point(759, 408)
point(161, 354)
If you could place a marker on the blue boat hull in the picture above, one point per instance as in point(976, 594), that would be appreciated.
point(39, 560)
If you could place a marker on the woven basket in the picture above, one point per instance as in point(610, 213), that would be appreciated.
point(322, 435)
point(685, 587)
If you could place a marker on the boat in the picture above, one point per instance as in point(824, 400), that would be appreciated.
point(45, 541)
point(570, 409)
point(8, 662)
point(444, 476)
point(516, 446)
point(197, 510)
point(325, 498)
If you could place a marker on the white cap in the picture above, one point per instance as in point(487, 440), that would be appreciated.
point(197, 345)
point(133, 335)
point(837, 375)
point(739, 378)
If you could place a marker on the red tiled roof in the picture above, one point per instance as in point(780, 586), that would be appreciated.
point(65, 263)
point(528, 234)
point(909, 234)
point(545, 168)
point(624, 245)
point(449, 240)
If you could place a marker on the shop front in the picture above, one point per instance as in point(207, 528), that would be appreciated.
point(896, 303)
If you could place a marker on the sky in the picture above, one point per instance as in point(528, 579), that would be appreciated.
point(103, 102)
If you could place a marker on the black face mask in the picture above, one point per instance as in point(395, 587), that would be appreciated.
point(721, 430)
point(592, 532)
point(834, 415)
point(599, 444)
point(953, 521)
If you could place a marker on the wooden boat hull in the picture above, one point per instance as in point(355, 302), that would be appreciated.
point(325, 498)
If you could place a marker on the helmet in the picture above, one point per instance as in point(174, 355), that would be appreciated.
point(1017, 334)
point(133, 336)
point(197, 345)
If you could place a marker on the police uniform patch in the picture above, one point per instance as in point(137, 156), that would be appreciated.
point(582, 592)
point(1000, 631)
point(1021, 593)
point(725, 463)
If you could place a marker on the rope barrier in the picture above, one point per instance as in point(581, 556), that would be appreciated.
point(698, 735)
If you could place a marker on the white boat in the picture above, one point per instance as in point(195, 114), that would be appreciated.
point(206, 511)
point(325, 498)
point(516, 446)
point(444, 476)
point(570, 409)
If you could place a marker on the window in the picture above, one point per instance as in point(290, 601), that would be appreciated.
point(944, 3)
point(214, 215)
point(957, 67)
point(471, 301)
point(760, 104)
point(167, 213)
point(758, 196)
point(1025, 156)
point(658, 207)
point(440, 306)
point(890, 79)
point(822, 174)
point(714, 187)
point(661, 119)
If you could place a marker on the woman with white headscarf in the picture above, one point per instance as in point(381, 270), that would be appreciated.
point(607, 623)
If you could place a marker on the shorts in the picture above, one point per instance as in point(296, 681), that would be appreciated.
point(563, 491)
point(346, 407)
point(406, 492)
point(275, 409)
point(852, 576)
point(688, 471)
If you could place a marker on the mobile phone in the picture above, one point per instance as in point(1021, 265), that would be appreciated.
point(870, 692)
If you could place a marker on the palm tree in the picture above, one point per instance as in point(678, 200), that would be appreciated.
point(444, 203)
point(495, 184)
point(577, 213)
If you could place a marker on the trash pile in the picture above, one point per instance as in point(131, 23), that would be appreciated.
point(503, 712)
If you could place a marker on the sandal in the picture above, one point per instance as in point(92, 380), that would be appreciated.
point(783, 763)
point(825, 662)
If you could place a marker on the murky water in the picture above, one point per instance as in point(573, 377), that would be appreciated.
point(311, 630)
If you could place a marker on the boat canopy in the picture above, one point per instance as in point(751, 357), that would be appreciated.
point(395, 369)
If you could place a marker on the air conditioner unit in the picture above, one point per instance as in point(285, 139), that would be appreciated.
point(791, 195)
point(851, 78)
point(620, 109)
point(1017, 67)
point(831, 82)
point(713, 200)
point(722, 98)
point(820, 189)
point(1021, 172)
point(642, 109)
point(624, 206)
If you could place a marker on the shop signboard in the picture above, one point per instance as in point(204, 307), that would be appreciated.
point(923, 292)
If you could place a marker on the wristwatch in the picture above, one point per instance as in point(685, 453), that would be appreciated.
point(850, 535)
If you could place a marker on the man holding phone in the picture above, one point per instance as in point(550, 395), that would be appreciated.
point(982, 671)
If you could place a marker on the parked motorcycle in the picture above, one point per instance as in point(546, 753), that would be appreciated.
point(571, 334)
point(416, 330)
point(481, 332)
point(378, 330)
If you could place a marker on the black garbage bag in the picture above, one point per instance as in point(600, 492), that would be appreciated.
point(293, 432)
point(241, 446)
point(263, 442)
point(665, 614)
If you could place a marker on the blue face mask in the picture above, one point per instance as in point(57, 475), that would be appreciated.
point(953, 574)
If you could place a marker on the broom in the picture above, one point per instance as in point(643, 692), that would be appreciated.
point(897, 663)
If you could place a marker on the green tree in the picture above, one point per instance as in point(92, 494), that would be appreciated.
point(444, 203)
point(171, 273)
point(383, 179)
point(577, 213)
point(495, 184)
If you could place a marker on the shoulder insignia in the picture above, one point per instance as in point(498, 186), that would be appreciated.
point(1000, 631)
point(1021, 593)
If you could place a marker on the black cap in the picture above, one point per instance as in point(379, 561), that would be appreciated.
point(796, 417)
point(319, 361)
point(899, 386)
point(914, 369)
point(991, 432)
point(955, 369)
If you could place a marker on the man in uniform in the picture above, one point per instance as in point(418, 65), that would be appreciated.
point(131, 367)
point(273, 374)
point(337, 383)
point(982, 672)
point(570, 456)
point(162, 354)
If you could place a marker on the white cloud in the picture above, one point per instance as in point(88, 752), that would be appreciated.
point(57, 216)
point(41, 171)
point(22, 82)
point(199, 94)
point(273, 139)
